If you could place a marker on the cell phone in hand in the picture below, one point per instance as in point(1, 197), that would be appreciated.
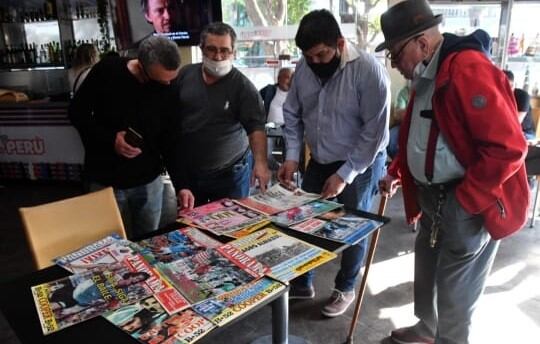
point(133, 138)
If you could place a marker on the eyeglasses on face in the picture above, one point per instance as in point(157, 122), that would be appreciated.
point(395, 56)
point(211, 50)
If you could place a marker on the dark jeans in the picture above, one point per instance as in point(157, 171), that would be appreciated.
point(231, 182)
point(140, 206)
point(357, 195)
point(393, 144)
point(532, 160)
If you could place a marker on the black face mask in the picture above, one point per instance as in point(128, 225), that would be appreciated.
point(325, 70)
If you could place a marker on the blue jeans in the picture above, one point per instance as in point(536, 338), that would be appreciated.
point(231, 182)
point(140, 206)
point(357, 195)
point(393, 144)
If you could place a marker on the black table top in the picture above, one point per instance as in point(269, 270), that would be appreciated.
point(17, 303)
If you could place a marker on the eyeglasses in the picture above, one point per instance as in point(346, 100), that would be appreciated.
point(213, 51)
point(395, 57)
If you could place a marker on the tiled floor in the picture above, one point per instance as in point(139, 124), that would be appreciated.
point(509, 312)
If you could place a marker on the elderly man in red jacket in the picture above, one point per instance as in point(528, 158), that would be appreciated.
point(460, 165)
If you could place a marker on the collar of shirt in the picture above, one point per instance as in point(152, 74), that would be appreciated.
point(349, 54)
point(431, 70)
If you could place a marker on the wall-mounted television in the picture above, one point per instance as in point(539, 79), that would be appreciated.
point(179, 20)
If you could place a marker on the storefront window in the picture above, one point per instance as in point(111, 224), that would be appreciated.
point(266, 30)
point(524, 46)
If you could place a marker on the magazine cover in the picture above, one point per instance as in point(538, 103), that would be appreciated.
point(109, 250)
point(342, 227)
point(309, 225)
point(346, 227)
point(248, 230)
point(71, 300)
point(184, 242)
point(286, 256)
point(206, 274)
point(304, 212)
point(228, 306)
point(147, 322)
point(223, 216)
point(277, 198)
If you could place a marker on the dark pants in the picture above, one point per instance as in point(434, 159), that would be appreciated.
point(357, 195)
point(450, 277)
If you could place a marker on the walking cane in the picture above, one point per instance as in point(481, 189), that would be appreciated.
point(369, 260)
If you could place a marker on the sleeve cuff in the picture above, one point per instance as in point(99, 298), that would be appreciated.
point(347, 173)
point(293, 154)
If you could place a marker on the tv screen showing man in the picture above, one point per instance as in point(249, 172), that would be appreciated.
point(161, 14)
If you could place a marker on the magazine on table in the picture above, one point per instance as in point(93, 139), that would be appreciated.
point(183, 242)
point(339, 225)
point(304, 212)
point(148, 322)
point(278, 198)
point(248, 230)
point(170, 298)
point(287, 257)
point(223, 216)
point(109, 250)
point(211, 272)
point(76, 298)
point(228, 306)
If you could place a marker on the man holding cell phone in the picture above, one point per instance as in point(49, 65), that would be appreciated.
point(123, 112)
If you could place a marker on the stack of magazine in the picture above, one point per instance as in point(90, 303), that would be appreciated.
point(222, 217)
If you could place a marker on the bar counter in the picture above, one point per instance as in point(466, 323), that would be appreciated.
point(37, 142)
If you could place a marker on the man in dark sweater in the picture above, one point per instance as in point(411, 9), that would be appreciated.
point(119, 94)
point(222, 122)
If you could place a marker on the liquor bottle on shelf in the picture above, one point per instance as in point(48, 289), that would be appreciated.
point(43, 54)
point(49, 7)
point(494, 47)
point(533, 47)
point(522, 44)
point(534, 90)
point(526, 80)
point(513, 45)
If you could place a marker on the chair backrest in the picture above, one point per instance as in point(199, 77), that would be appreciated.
point(57, 228)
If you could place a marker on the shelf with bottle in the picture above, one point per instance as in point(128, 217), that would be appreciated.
point(31, 55)
point(79, 10)
point(520, 49)
point(29, 14)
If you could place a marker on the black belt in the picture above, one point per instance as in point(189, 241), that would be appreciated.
point(446, 186)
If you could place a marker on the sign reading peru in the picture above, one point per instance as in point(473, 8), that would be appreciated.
point(20, 146)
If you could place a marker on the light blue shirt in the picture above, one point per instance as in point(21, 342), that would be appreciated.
point(446, 167)
point(346, 119)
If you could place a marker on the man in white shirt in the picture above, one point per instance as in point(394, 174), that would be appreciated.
point(274, 96)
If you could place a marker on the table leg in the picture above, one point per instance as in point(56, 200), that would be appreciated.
point(280, 324)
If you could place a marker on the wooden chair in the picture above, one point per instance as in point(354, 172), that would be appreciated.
point(57, 228)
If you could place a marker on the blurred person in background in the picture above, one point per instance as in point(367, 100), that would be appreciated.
point(86, 56)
